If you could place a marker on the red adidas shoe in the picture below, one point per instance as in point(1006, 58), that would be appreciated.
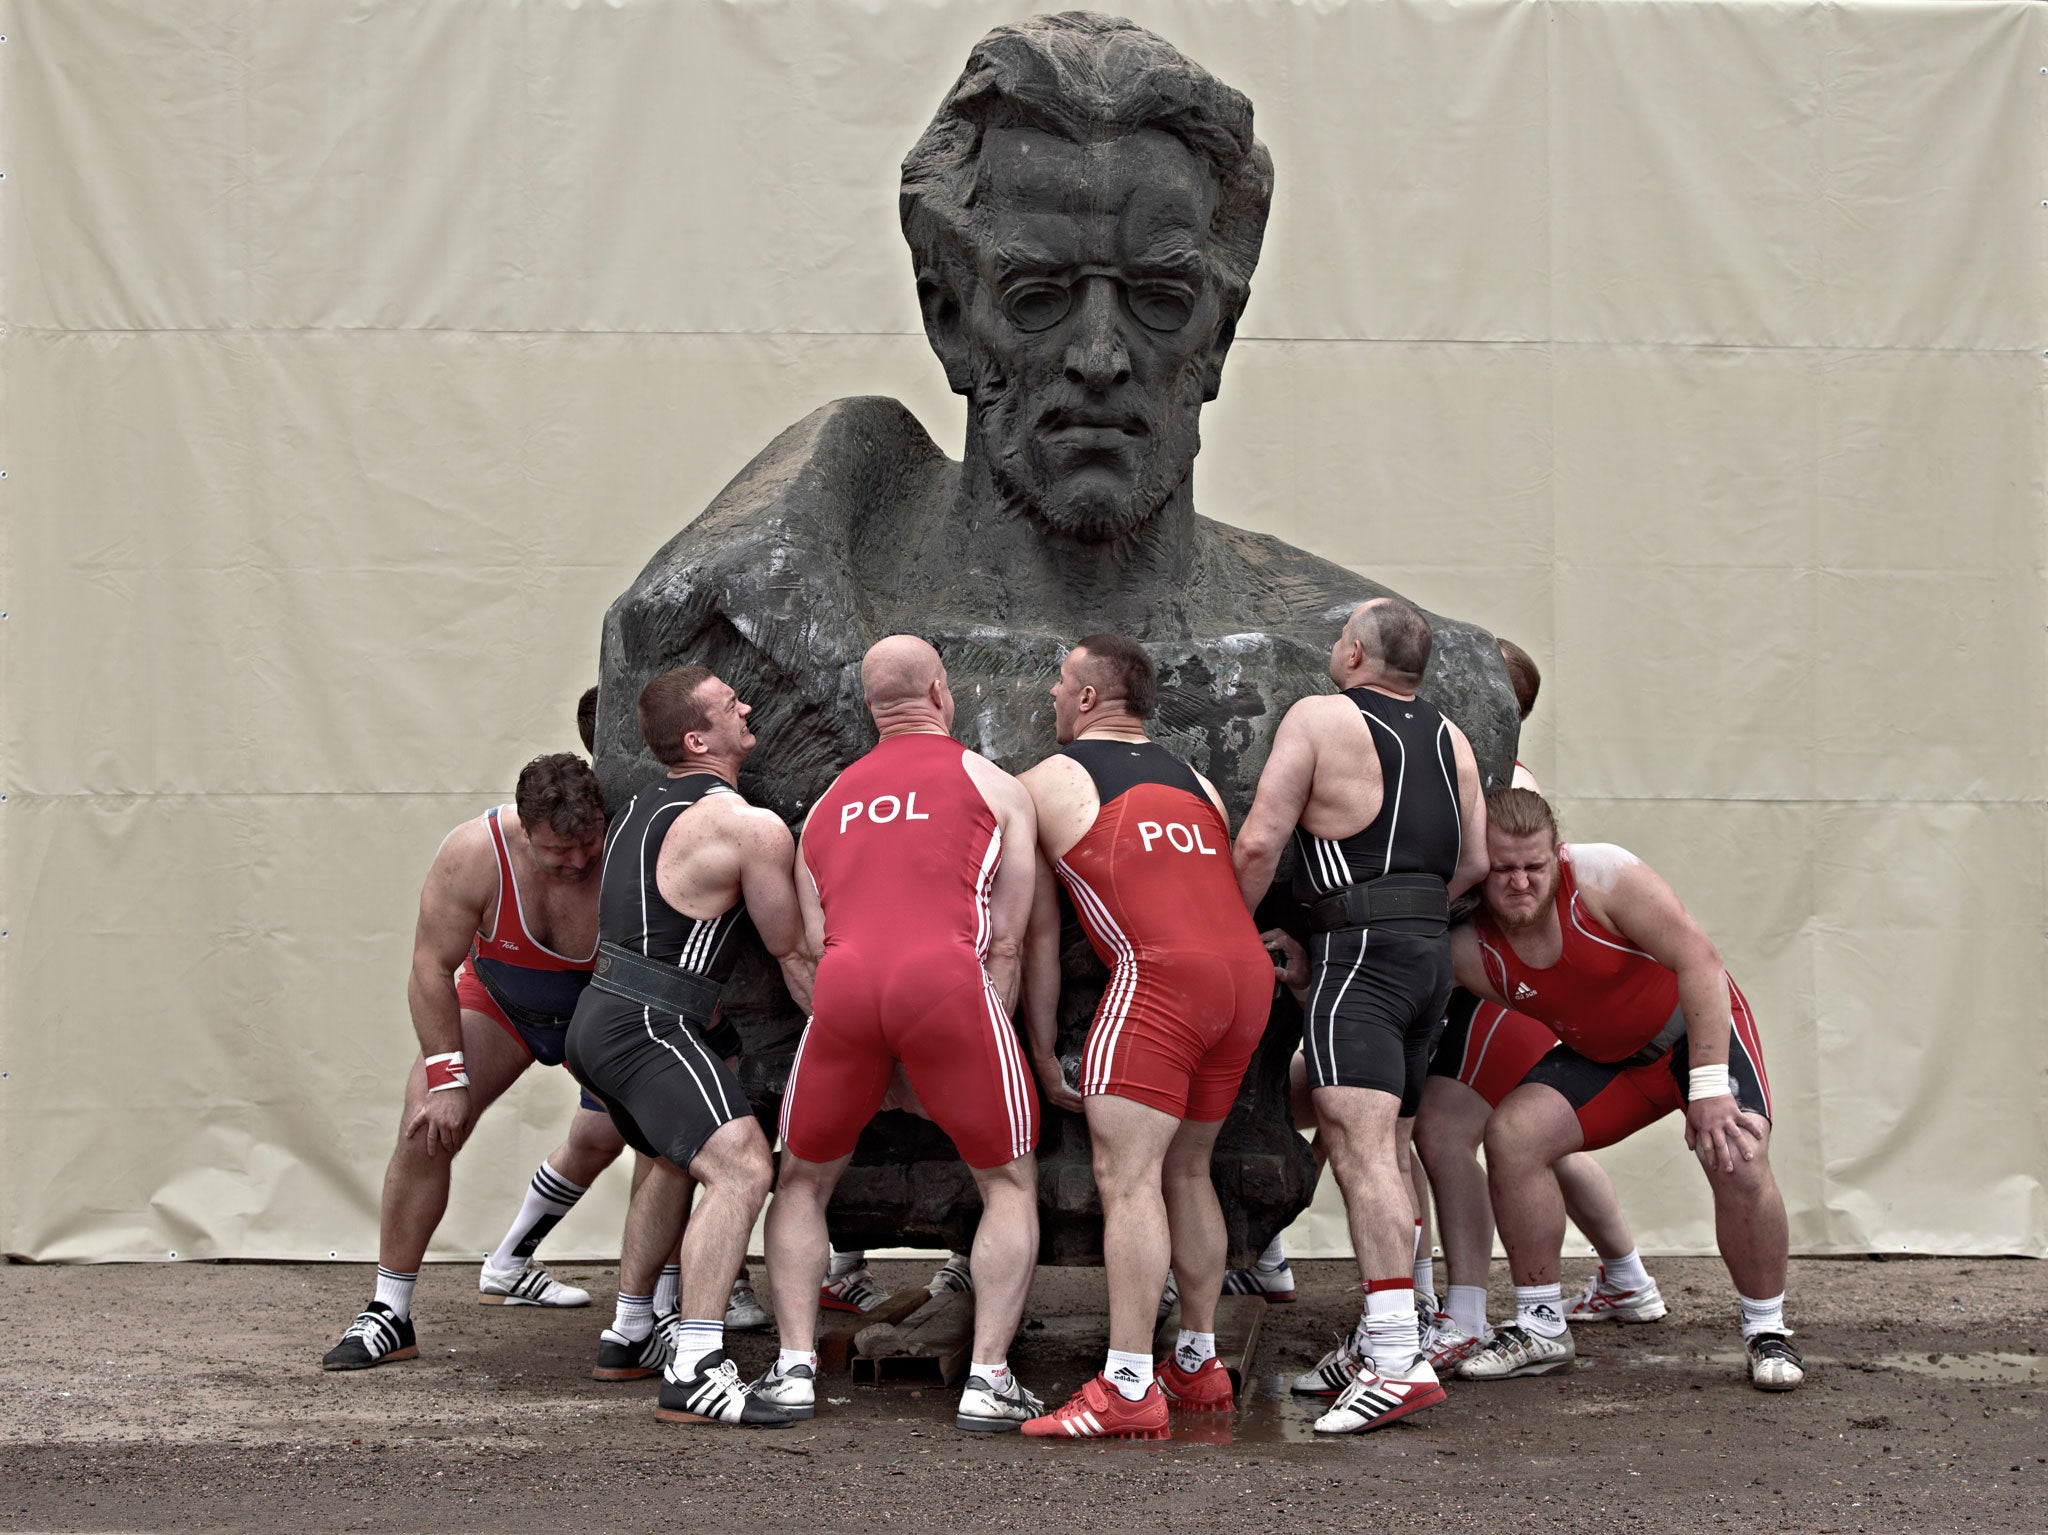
point(1098, 1411)
point(1204, 1390)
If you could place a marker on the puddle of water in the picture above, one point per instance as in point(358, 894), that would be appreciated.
point(1977, 1368)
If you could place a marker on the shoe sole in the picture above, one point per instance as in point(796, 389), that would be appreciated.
point(1112, 1433)
point(677, 1415)
point(842, 1305)
point(1790, 1385)
point(1412, 1405)
point(540, 1305)
point(1544, 1368)
point(1185, 1404)
point(1330, 1391)
point(636, 1372)
point(987, 1425)
point(412, 1352)
point(1635, 1319)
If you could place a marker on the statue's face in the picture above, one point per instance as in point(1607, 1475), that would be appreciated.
point(1094, 335)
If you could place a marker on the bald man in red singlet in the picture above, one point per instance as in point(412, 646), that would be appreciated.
point(1141, 842)
point(915, 876)
point(1588, 940)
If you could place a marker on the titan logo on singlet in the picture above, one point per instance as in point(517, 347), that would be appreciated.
point(1183, 839)
point(906, 808)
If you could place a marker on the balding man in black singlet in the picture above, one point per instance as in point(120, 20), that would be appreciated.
point(1381, 795)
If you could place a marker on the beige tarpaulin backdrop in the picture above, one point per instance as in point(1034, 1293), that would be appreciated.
point(356, 355)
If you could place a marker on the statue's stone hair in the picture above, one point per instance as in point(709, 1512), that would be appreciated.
point(1085, 78)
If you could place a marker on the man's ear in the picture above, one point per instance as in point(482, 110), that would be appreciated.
point(945, 327)
point(1087, 699)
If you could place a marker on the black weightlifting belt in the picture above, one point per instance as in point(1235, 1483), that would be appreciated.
point(651, 983)
point(1672, 1032)
point(1392, 897)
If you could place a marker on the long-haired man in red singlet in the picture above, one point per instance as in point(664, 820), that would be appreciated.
point(1588, 940)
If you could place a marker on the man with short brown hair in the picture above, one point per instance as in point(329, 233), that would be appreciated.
point(687, 861)
point(1142, 843)
point(506, 940)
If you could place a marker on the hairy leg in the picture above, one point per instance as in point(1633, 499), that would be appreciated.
point(796, 1245)
point(1130, 1141)
point(1533, 1127)
point(416, 1183)
point(1448, 1132)
point(735, 1171)
point(1195, 1219)
point(1594, 1207)
point(1749, 1221)
point(1358, 1125)
point(1005, 1254)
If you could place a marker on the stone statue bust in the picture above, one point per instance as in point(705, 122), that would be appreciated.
point(1084, 215)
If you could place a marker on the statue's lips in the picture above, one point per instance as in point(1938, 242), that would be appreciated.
point(1100, 436)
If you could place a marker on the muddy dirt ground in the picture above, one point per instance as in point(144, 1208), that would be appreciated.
point(190, 1397)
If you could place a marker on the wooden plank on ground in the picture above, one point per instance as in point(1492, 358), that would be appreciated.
point(835, 1346)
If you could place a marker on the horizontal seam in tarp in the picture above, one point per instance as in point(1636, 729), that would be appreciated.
point(897, 335)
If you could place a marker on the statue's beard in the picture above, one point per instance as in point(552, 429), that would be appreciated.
point(1055, 468)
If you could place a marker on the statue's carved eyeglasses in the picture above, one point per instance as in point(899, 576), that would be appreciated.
point(1162, 304)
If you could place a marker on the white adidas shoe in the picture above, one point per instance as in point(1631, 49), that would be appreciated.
point(1774, 1364)
point(855, 1290)
point(794, 1390)
point(1274, 1285)
point(528, 1285)
point(1602, 1302)
point(986, 1408)
point(714, 1393)
point(1333, 1373)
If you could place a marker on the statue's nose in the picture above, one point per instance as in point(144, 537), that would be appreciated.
point(1096, 357)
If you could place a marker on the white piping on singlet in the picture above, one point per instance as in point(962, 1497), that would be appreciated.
point(1123, 985)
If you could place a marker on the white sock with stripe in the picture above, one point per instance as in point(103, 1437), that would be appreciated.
point(696, 1337)
point(549, 1197)
point(395, 1291)
point(1763, 1315)
point(667, 1288)
point(843, 1264)
point(633, 1316)
point(1275, 1255)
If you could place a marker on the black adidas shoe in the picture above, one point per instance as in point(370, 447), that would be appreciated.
point(622, 1359)
point(377, 1336)
point(714, 1393)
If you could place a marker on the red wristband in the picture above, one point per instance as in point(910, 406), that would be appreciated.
point(446, 1071)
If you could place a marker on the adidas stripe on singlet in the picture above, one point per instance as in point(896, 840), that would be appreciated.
point(630, 910)
point(1420, 826)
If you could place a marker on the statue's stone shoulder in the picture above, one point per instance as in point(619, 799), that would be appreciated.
point(763, 588)
point(1466, 677)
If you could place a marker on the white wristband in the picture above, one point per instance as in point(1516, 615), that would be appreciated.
point(1708, 1082)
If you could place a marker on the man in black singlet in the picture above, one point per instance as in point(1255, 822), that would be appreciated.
point(1381, 795)
point(687, 862)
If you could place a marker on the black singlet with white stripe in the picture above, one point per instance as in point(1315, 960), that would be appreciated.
point(630, 910)
point(1419, 829)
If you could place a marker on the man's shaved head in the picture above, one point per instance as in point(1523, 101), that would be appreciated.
point(1393, 633)
point(899, 670)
